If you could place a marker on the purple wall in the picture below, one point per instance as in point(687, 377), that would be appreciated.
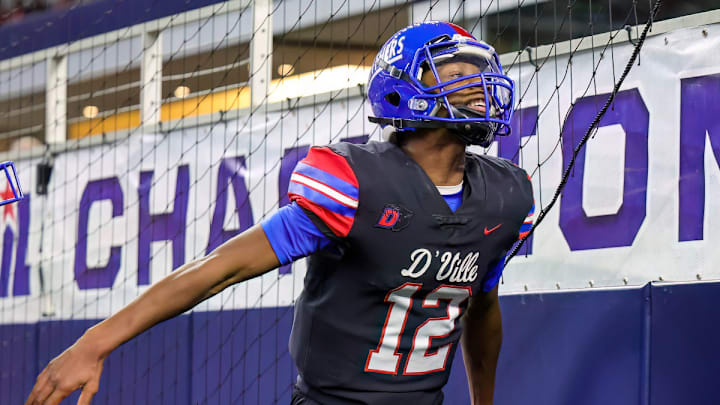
point(655, 344)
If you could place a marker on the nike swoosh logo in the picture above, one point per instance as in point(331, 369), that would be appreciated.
point(491, 230)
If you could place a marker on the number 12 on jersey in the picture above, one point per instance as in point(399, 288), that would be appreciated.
point(386, 359)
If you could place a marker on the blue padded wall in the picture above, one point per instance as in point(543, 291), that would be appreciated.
point(577, 347)
point(583, 347)
point(685, 345)
point(242, 357)
point(18, 358)
point(154, 368)
point(644, 345)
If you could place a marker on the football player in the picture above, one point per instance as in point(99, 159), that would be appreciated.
point(406, 241)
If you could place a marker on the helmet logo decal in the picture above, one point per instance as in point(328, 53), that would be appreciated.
point(401, 100)
point(392, 52)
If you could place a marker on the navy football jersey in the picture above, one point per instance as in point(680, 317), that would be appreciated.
point(378, 320)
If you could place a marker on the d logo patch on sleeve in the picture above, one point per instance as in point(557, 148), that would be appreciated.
point(394, 217)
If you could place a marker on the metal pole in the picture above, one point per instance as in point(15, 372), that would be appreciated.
point(151, 79)
point(56, 100)
point(261, 52)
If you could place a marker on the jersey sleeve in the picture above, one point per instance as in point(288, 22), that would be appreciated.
point(527, 224)
point(324, 184)
point(529, 218)
point(492, 277)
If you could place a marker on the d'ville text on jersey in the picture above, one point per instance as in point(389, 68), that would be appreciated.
point(453, 267)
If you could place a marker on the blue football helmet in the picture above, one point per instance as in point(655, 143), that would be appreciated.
point(400, 99)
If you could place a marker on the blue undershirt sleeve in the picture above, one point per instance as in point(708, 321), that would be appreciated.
point(292, 234)
point(492, 277)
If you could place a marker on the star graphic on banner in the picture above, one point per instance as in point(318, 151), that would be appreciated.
point(8, 209)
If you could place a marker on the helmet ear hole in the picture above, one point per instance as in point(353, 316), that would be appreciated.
point(393, 98)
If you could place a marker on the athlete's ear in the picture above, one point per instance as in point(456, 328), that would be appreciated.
point(11, 192)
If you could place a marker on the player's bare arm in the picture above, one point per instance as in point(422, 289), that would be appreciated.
point(79, 367)
point(481, 341)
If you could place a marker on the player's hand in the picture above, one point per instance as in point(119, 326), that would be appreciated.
point(78, 367)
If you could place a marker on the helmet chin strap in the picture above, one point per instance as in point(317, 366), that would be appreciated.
point(480, 133)
point(473, 133)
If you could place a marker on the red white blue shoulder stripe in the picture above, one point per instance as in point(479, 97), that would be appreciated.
point(324, 183)
point(527, 224)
